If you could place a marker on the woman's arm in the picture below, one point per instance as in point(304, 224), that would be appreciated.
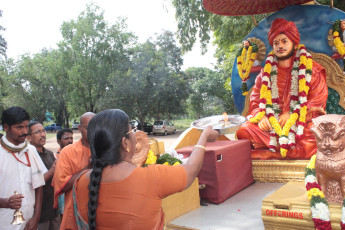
point(196, 158)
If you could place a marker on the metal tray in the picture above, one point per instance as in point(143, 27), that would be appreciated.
point(218, 123)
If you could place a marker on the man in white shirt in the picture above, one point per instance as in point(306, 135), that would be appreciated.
point(21, 171)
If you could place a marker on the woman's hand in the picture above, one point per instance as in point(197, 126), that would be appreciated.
point(211, 134)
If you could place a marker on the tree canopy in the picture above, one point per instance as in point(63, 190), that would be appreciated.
point(3, 43)
point(98, 66)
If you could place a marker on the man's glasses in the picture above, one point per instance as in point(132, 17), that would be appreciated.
point(132, 131)
point(39, 131)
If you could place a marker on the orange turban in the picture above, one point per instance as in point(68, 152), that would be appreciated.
point(288, 28)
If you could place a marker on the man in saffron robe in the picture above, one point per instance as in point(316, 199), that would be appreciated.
point(284, 38)
point(73, 159)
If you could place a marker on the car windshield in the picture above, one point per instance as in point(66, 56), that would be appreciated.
point(158, 122)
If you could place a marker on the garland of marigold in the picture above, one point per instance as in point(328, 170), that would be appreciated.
point(339, 45)
point(318, 203)
point(245, 62)
point(269, 100)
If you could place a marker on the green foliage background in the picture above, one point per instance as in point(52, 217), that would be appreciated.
point(98, 66)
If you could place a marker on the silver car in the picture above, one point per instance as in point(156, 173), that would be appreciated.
point(163, 127)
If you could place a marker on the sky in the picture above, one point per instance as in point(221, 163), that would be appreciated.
point(34, 25)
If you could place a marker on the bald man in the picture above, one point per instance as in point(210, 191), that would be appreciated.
point(268, 111)
point(73, 159)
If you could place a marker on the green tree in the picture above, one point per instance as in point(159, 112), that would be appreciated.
point(171, 89)
point(96, 50)
point(154, 85)
point(3, 43)
point(194, 22)
point(172, 54)
point(340, 4)
point(208, 95)
point(56, 69)
point(29, 87)
point(6, 70)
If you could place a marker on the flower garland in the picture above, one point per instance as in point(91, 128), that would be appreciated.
point(246, 56)
point(339, 45)
point(269, 100)
point(318, 203)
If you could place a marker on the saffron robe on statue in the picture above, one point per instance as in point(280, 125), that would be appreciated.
point(317, 97)
point(72, 159)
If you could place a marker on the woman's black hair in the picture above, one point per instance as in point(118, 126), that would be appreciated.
point(105, 132)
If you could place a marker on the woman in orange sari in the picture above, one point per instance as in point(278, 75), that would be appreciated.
point(116, 194)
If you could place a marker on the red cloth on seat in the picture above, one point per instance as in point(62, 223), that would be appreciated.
point(226, 170)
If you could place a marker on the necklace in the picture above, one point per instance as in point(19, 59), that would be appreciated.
point(318, 203)
point(27, 158)
point(269, 100)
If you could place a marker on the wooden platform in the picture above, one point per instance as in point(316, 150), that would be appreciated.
point(279, 171)
point(289, 208)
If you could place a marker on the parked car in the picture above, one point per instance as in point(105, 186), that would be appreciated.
point(145, 126)
point(75, 125)
point(53, 127)
point(163, 127)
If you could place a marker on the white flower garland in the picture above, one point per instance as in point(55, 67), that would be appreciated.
point(296, 100)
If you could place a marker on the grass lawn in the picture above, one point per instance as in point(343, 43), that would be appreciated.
point(182, 124)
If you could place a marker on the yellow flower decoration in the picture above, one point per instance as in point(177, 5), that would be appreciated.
point(176, 163)
point(303, 60)
point(258, 117)
point(244, 64)
point(283, 152)
point(165, 163)
point(338, 43)
point(151, 158)
point(315, 192)
point(267, 67)
point(311, 164)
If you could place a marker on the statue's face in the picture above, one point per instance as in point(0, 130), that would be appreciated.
point(246, 44)
point(283, 47)
point(342, 25)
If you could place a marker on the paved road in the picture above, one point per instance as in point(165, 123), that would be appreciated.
point(169, 140)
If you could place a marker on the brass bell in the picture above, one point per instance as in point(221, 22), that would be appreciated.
point(17, 215)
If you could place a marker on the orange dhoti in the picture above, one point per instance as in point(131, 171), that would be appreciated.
point(317, 97)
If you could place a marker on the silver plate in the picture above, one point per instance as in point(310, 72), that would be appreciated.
point(217, 122)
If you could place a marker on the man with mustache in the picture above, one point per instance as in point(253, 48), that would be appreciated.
point(289, 92)
point(21, 171)
point(50, 219)
point(64, 137)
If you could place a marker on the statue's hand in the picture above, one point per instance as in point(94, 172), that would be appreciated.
point(264, 124)
point(283, 118)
